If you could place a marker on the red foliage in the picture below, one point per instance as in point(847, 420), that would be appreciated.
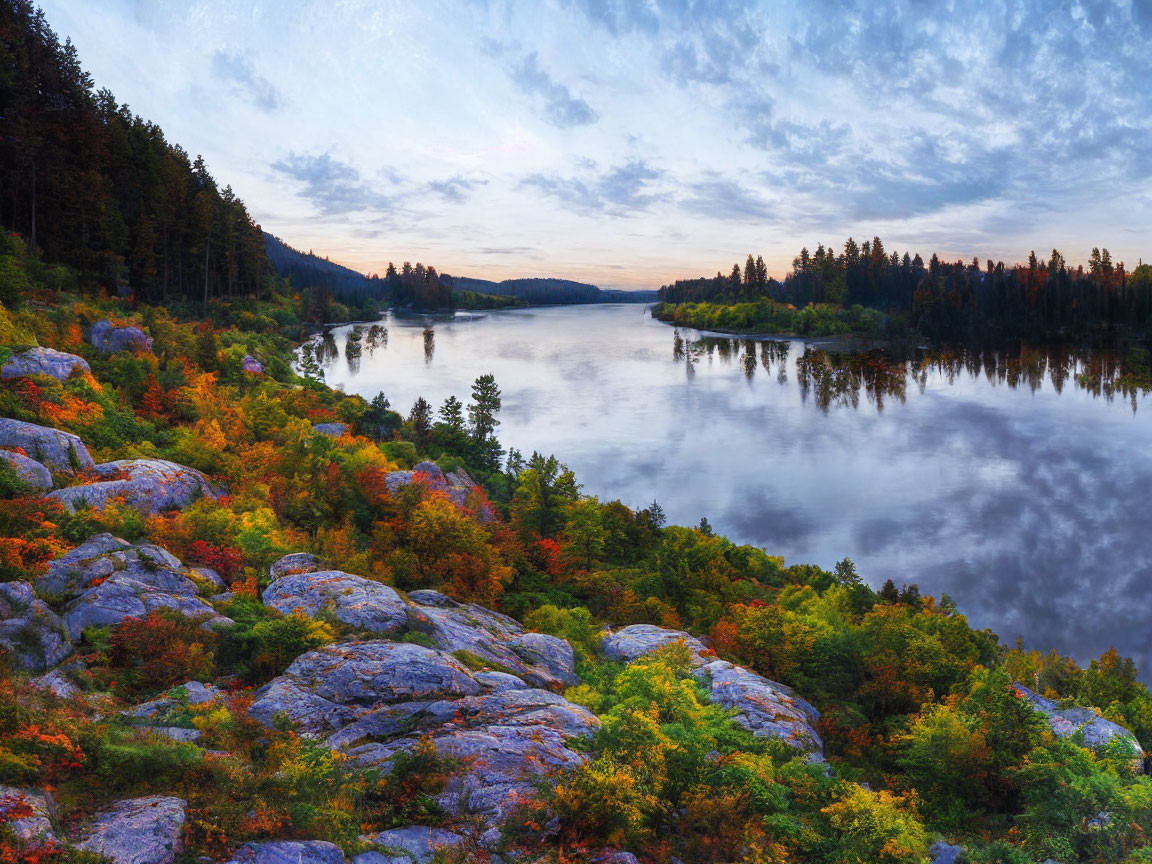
point(549, 554)
point(159, 651)
point(225, 560)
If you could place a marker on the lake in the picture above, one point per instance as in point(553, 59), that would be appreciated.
point(1002, 479)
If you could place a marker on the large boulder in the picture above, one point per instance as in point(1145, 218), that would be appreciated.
point(762, 706)
point(943, 852)
point(27, 813)
point(636, 640)
point(150, 485)
point(60, 451)
point(35, 474)
point(358, 676)
point(332, 430)
point(30, 633)
point(456, 485)
point(1099, 734)
point(138, 831)
point(297, 562)
point(44, 361)
point(541, 660)
point(107, 580)
point(354, 600)
point(110, 339)
point(170, 714)
point(413, 844)
point(288, 852)
point(373, 700)
point(252, 366)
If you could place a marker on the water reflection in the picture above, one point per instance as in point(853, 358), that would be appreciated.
point(429, 345)
point(1015, 480)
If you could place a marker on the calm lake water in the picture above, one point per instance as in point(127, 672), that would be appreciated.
point(1001, 480)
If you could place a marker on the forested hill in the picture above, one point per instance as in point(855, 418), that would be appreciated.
point(307, 270)
point(94, 186)
point(547, 291)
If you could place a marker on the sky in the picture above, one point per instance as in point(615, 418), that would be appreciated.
point(632, 143)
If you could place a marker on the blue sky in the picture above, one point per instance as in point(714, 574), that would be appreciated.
point(631, 143)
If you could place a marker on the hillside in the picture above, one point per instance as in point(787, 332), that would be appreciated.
point(247, 617)
point(542, 291)
point(310, 271)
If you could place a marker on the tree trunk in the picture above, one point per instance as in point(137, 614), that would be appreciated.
point(32, 235)
point(207, 250)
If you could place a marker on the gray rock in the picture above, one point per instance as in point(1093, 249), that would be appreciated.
point(357, 602)
point(57, 682)
point(252, 366)
point(36, 475)
point(945, 853)
point(30, 633)
point(427, 597)
point(1099, 734)
point(764, 707)
point(288, 852)
point(542, 661)
point(37, 826)
point(209, 576)
point(326, 688)
point(138, 831)
point(160, 711)
point(636, 640)
point(111, 339)
point(615, 856)
point(44, 361)
point(297, 562)
point(60, 451)
point(499, 681)
point(413, 844)
point(332, 430)
point(375, 699)
point(149, 485)
point(107, 580)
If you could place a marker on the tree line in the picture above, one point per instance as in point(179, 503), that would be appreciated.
point(946, 300)
point(92, 185)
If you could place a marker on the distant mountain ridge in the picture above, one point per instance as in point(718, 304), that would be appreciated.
point(307, 270)
point(549, 290)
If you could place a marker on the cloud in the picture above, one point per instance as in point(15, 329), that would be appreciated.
point(561, 108)
point(622, 190)
point(719, 197)
point(455, 189)
point(237, 70)
point(334, 187)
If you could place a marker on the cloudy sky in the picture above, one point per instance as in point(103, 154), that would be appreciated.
point(631, 143)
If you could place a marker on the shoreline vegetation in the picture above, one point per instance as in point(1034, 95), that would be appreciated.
point(248, 617)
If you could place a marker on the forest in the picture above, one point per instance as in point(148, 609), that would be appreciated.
point(911, 734)
point(945, 301)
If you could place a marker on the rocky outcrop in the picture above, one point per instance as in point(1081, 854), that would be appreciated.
point(36, 475)
point(375, 699)
point(60, 451)
point(354, 600)
point(251, 365)
point(413, 844)
point(107, 580)
point(32, 811)
point(332, 430)
point(297, 562)
point(288, 852)
point(1099, 734)
point(628, 643)
point(44, 361)
point(138, 831)
point(149, 485)
point(541, 660)
point(110, 339)
point(457, 485)
point(31, 634)
point(762, 706)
